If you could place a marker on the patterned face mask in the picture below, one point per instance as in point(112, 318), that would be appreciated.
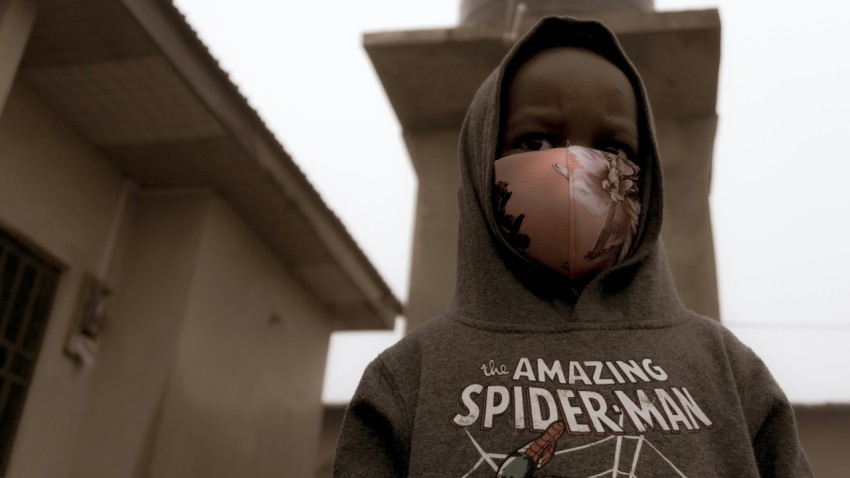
point(574, 210)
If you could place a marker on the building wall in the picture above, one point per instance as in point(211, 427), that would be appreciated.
point(211, 360)
point(331, 424)
point(243, 396)
point(142, 335)
point(60, 197)
point(824, 431)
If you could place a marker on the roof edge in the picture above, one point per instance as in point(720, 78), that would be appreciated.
point(192, 60)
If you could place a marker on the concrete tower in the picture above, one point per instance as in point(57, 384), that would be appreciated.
point(430, 77)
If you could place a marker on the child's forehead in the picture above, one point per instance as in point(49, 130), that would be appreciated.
point(567, 74)
point(558, 63)
point(574, 92)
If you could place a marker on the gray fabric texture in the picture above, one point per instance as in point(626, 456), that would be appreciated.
point(641, 386)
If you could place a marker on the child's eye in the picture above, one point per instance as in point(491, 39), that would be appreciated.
point(534, 143)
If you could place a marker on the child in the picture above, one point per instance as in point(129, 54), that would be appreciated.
point(566, 351)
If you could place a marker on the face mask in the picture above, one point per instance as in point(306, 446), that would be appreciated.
point(574, 210)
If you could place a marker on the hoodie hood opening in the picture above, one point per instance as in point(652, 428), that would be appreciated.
point(495, 283)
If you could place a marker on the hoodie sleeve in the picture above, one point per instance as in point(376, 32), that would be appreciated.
point(374, 440)
point(770, 420)
point(776, 446)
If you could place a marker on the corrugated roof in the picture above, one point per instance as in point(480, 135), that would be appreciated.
point(134, 78)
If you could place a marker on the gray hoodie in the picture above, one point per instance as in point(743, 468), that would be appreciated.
point(524, 376)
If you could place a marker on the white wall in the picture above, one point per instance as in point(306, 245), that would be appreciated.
point(243, 396)
point(60, 196)
point(212, 359)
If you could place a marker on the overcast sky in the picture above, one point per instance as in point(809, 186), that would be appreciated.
point(780, 176)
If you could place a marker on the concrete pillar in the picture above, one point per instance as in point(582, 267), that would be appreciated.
point(16, 19)
point(494, 11)
point(432, 271)
point(824, 431)
point(687, 147)
point(677, 54)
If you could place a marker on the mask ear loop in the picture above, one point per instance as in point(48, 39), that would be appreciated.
point(571, 253)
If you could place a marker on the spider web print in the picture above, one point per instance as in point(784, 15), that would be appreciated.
point(619, 460)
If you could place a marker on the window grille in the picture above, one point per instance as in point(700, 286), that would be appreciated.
point(27, 286)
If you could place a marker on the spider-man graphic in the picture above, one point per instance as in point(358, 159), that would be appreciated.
point(523, 462)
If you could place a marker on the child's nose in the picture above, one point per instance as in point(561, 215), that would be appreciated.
point(579, 137)
point(584, 142)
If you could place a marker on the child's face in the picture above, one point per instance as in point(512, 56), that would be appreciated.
point(570, 96)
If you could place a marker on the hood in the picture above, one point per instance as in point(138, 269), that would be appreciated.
point(497, 285)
